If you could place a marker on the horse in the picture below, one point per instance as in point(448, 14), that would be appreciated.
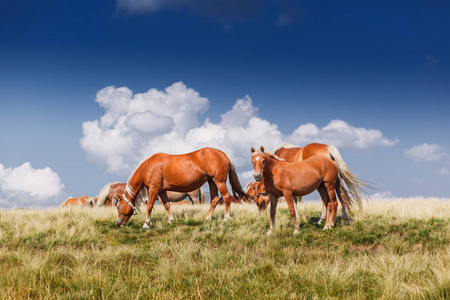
point(80, 201)
point(163, 172)
point(109, 195)
point(286, 179)
point(258, 194)
point(292, 153)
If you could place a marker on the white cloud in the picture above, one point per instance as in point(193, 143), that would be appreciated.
point(25, 186)
point(425, 152)
point(444, 171)
point(341, 134)
point(137, 126)
point(381, 195)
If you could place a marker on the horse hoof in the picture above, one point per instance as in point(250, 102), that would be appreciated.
point(171, 220)
point(295, 232)
point(146, 226)
point(269, 233)
point(320, 222)
point(327, 227)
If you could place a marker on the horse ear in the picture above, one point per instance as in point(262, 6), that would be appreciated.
point(262, 149)
point(253, 150)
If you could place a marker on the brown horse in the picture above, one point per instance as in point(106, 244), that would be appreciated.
point(162, 172)
point(295, 154)
point(81, 201)
point(297, 179)
point(109, 195)
point(258, 194)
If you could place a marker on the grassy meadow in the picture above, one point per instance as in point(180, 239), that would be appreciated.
point(396, 249)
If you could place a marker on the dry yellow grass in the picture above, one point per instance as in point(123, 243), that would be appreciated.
point(393, 249)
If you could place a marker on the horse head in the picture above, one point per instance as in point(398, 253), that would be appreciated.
point(258, 161)
point(125, 209)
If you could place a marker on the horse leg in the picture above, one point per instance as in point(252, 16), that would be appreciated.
point(226, 198)
point(214, 192)
point(332, 209)
point(325, 203)
point(323, 215)
point(297, 199)
point(327, 191)
point(273, 210)
point(194, 197)
point(152, 192)
point(290, 202)
point(165, 201)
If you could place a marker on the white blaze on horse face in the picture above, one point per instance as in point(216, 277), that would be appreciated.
point(257, 158)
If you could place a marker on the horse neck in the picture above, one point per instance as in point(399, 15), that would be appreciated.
point(267, 178)
point(133, 186)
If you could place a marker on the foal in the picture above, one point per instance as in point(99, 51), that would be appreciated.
point(296, 179)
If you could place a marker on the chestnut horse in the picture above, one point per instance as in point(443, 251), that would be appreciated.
point(297, 179)
point(162, 172)
point(81, 201)
point(109, 195)
point(291, 153)
point(258, 194)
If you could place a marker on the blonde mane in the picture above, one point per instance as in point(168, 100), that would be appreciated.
point(104, 193)
point(285, 146)
point(269, 154)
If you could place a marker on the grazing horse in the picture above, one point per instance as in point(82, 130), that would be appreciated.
point(258, 194)
point(297, 179)
point(109, 195)
point(162, 172)
point(291, 153)
point(81, 201)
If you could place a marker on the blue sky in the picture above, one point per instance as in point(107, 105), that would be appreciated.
point(372, 65)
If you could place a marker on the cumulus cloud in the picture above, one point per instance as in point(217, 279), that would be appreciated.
point(136, 126)
point(25, 186)
point(425, 152)
point(340, 134)
point(381, 195)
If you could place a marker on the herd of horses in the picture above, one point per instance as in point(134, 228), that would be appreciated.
point(288, 171)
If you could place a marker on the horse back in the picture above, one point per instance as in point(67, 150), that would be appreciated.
point(314, 149)
point(190, 170)
point(289, 154)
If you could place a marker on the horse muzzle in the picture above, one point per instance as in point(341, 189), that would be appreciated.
point(120, 223)
point(258, 176)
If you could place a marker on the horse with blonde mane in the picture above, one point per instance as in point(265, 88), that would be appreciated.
point(80, 201)
point(286, 179)
point(161, 173)
point(258, 194)
point(292, 153)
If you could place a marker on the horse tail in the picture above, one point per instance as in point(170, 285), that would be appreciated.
point(201, 196)
point(344, 197)
point(355, 192)
point(235, 184)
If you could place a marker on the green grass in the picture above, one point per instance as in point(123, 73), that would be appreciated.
point(397, 249)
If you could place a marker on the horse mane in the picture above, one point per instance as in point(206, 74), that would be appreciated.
point(104, 193)
point(285, 146)
point(247, 187)
point(273, 156)
point(269, 154)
